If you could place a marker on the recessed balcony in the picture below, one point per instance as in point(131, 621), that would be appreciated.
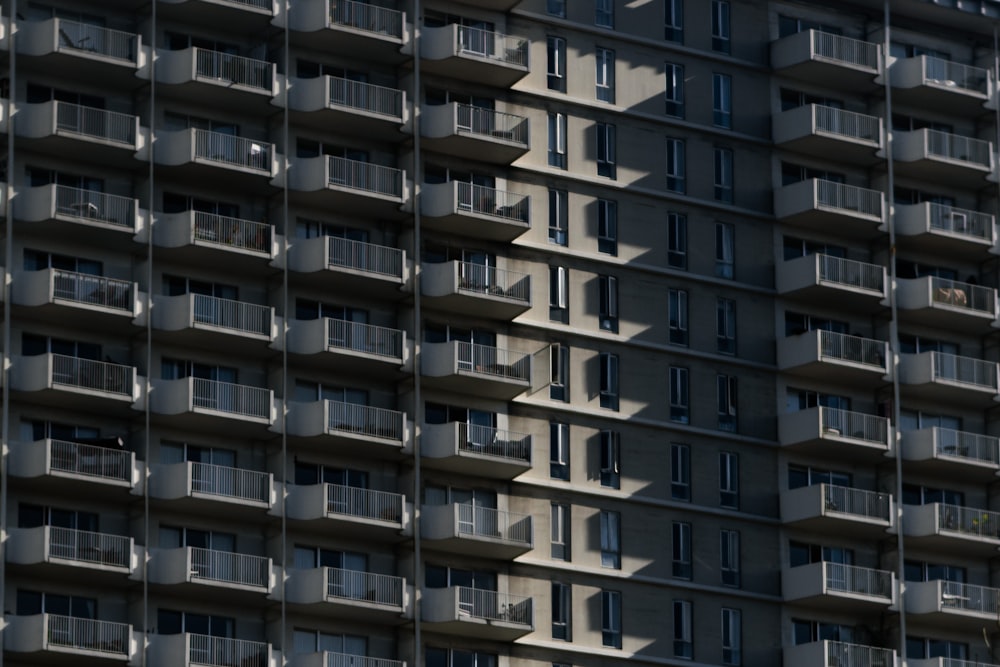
point(331, 659)
point(358, 428)
point(477, 290)
point(475, 132)
point(473, 612)
point(475, 211)
point(478, 531)
point(216, 240)
point(90, 300)
point(475, 450)
point(80, 132)
point(839, 587)
point(213, 405)
point(354, 511)
point(959, 453)
point(209, 567)
point(940, 157)
point(473, 54)
point(208, 321)
point(365, 269)
point(236, 157)
point(820, 205)
point(940, 376)
point(81, 50)
point(833, 280)
point(952, 528)
point(827, 653)
point(350, 346)
point(351, 186)
point(840, 62)
point(78, 639)
point(65, 460)
point(821, 130)
point(365, 31)
point(829, 355)
point(359, 596)
point(936, 227)
point(927, 82)
point(946, 303)
point(73, 382)
point(831, 508)
point(356, 107)
point(190, 650)
point(233, 487)
point(833, 432)
point(217, 78)
point(476, 370)
point(74, 548)
point(951, 603)
point(75, 214)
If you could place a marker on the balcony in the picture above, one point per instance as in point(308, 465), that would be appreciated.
point(364, 31)
point(830, 508)
point(939, 376)
point(832, 356)
point(473, 54)
point(477, 531)
point(832, 432)
point(92, 300)
point(948, 662)
point(356, 107)
point(952, 528)
point(839, 587)
point(475, 450)
point(237, 157)
point(350, 427)
point(932, 83)
point(821, 205)
point(79, 132)
point(208, 321)
point(351, 186)
point(209, 404)
point(351, 594)
point(79, 639)
point(82, 50)
point(234, 488)
point(208, 239)
point(189, 649)
point(74, 548)
point(64, 460)
point(352, 347)
point(352, 510)
point(218, 79)
point(75, 383)
point(946, 451)
point(481, 614)
point(208, 567)
point(936, 227)
point(834, 281)
point(331, 659)
point(952, 604)
point(940, 157)
point(828, 653)
point(477, 290)
point(475, 133)
point(74, 214)
point(365, 269)
point(476, 370)
point(475, 211)
point(243, 17)
point(840, 62)
point(822, 130)
point(942, 302)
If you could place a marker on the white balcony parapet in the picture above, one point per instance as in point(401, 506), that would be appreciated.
point(120, 128)
point(851, 273)
point(461, 602)
point(367, 18)
point(857, 580)
point(235, 233)
point(86, 39)
point(481, 200)
point(229, 568)
point(93, 290)
point(492, 361)
point(968, 521)
point(957, 294)
point(233, 398)
point(491, 124)
point(476, 521)
point(840, 347)
point(491, 45)
point(225, 652)
point(949, 368)
point(97, 206)
point(927, 143)
point(90, 460)
point(941, 72)
point(81, 637)
point(858, 502)
point(366, 257)
point(232, 150)
point(83, 546)
point(235, 70)
point(854, 425)
point(953, 597)
point(365, 176)
point(843, 123)
point(926, 217)
point(238, 316)
point(841, 49)
point(485, 279)
point(364, 503)
point(379, 589)
point(331, 659)
point(100, 376)
point(843, 197)
point(214, 480)
point(494, 442)
point(366, 420)
point(367, 97)
point(366, 338)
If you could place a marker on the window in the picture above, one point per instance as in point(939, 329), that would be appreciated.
point(675, 166)
point(453, 657)
point(559, 381)
point(720, 26)
point(610, 459)
point(677, 240)
point(608, 306)
point(604, 13)
point(722, 100)
point(726, 389)
point(674, 92)
point(723, 175)
point(611, 619)
point(558, 216)
point(611, 547)
point(683, 644)
point(559, 450)
point(680, 472)
point(557, 140)
point(680, 410)
point(607, 226)
point(559, 530)
point(732, 642)
point(606, 150)
point(729, 480)
point(725, 325)
point(609, 380)
point(313, 641)
point(677, 304)
point(729, 557)
point(558, 292)
point(605, 74)
point(562, 604)
point(681, 549)
point(556, 7)
point(555, 49)
point(725, 249)
point(673, 21)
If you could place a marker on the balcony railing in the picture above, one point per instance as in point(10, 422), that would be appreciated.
point(492, 124)
point(90, 374)
point(91, 205)
point(969, 521)
point(366, 97)
point(225, 652)
point(956, 147)
point(230, 568)
point(492, 46)
point(367, 338)
point(90, 461)
point(88, 634)
point(858, 502)
point(487, 360)
point(965, 370)
point(963, 295)
point(847, 123)
point(92, 290)
point(236, 315)
point(366, 17)
point(231, 150)
point(233, 398)
point(494, 606)
point(368, 257)
point(380, 589)
point(364, 420)
point(945, 72)
point(842, 197)
point(485, 279)
point(96, 123)
point(232, 232)
point(855, 425)
point(853, 349)
point(856, 655)
point(365, 176)
point(851, 273)
point(478, 521)
point(967, 597)
point(489, 441)
point(216, 480)
point(88, 547)
point(961, 221)
point(237, 70)
point(351, 660)
point(258, 4)
point(845, 49)
point(495, 203)
point(96, 39)
point(857, 580)
point(966, 445)
point(364, 503)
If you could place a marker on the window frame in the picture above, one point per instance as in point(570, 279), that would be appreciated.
point(558, 293)
point(725, 325)
point(558, 216)
point(676, 240)
point(611, 539)
point(683, 629)
point(679, 385)
point(557, 140)
point(604, 75)
point(726, 395)
point(556, 8)
point(673, 91)
point(604, 14)
point(721, 27)
point(729, 480)
point(607, 298)
point(562, 609)
point(729, 557)
point(673, 21)
point(560, 532)
point(609, 388)
point(723, 168)
point(676, 165)
point(559, 451)
point(611, 618)
point(725, 250)
point(559, 372)
point(680, 471)
point(722, 100)
point(607, 226)
point(555, 53)
point(606, 150)
point(677, 316)
point(732, 639)
point(680, 550)
point(610, 451)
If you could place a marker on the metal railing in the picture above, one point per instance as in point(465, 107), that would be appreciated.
point(489, 441)
point(97, 123)
point(842, 197)
point(368, 257)
point(851, 273)
point(365, 176)
point(492, 361)
point(949, 442)
point(233, 232)
point(961, 221)
point(486, 279)
point(90, 374)
point(88, 547)
point(232, 150)
point(478, 521)
point(88, 634)
point(963, 295)
point(846, 123)
point(965, 370)
point(259, 4)
point(854, 349)
point(859, 502)
point(364, 420)
point(969, 597)
point(956, 147)
point(492, 202)
point(364, 503)
point(351, 660)
point(368, 338)
point(93, 290)
point(230, 568)
point(840, 654)
point(859, 580)
point(493, 46)
point(968, 521)
point(381, 589)
point(234, 69)
point(955, 662)
point(232, 398)
point(494, 606)
point(493, 124)
point(226, 652)
point(90, 460)
point(91, 205)
point(952, 74)
point(217, 480)
point(366, 97)
point(228, 314)
point(366, 17)
point(855, 425)
point(845, 49)
point(97, 39)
